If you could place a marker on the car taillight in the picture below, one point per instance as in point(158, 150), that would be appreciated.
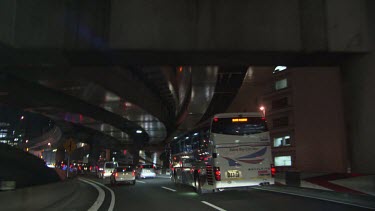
point(133, 173)
point(116, 175)
point(273, 170)
point(217, 173)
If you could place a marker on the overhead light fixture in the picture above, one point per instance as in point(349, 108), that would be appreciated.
point(279, 69)
point(138, 131)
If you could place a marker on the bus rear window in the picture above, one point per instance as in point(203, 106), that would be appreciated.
point(239, 125)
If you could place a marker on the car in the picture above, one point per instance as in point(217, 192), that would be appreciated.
point(146, 171)
point(168, 172)
point(123, 174)
point(99, 170)
point(108, 168)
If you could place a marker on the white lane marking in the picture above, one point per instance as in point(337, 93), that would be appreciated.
point(141, 181)
point(213, 206)
point(164, 177)
point(168, 189)
point(99, 201)
point(313, 197)
point(112, 204)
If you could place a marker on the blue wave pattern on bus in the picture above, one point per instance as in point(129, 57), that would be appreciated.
point(253, 158)
point(232, 162)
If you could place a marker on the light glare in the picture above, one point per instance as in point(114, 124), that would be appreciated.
point(280, 68)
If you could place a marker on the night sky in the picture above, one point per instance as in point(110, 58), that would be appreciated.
point(33, 123)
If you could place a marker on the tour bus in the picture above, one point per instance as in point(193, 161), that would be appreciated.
point(231, 150)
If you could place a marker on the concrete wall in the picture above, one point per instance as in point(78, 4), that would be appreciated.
point(358, 79)
point(346, 25)
point(198, 25)
point(319, 120)
point(186, 25)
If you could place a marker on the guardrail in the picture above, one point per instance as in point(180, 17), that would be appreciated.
point(37, 197)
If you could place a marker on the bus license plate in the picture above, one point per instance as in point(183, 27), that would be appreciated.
point(233, 174)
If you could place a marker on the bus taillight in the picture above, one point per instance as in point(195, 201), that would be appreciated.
point(217, 173)
point(273, 170)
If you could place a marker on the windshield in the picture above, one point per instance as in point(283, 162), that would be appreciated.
point(239, 126)
point(110, 165)
point(147, 166)
point(124, 169)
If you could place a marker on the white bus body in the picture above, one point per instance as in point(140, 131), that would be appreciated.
point(234, 151)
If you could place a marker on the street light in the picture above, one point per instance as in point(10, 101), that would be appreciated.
point(22, 117)
point(263, 109)
point(49, 144)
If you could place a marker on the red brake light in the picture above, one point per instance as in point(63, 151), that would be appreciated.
point(217, 173)
point(133, 173)
point(216, 119)
point(116, 174)
point(273, 170)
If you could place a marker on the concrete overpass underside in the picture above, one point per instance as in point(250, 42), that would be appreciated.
point(84, 36)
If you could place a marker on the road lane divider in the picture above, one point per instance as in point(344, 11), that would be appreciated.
point(112, 204)
point(170, 189)
point(213, 206)
point(141, 181)
point(100, 199)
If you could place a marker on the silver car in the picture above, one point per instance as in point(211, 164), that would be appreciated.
point(108, 168)
point(123, 174)
point(146, 173)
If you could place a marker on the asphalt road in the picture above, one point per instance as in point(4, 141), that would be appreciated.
point(162, 194)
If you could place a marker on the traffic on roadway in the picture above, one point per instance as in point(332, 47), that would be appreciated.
point(161, 193)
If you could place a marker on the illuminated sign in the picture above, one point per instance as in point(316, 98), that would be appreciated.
point(239, 120)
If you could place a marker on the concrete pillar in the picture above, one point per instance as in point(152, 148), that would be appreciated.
point(108, 155)
point(359, 95)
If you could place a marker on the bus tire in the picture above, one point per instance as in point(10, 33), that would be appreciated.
point(175, 179)
point(198, 185)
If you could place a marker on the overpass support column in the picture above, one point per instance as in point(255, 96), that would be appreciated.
point(359, 100)
point(134, 151)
